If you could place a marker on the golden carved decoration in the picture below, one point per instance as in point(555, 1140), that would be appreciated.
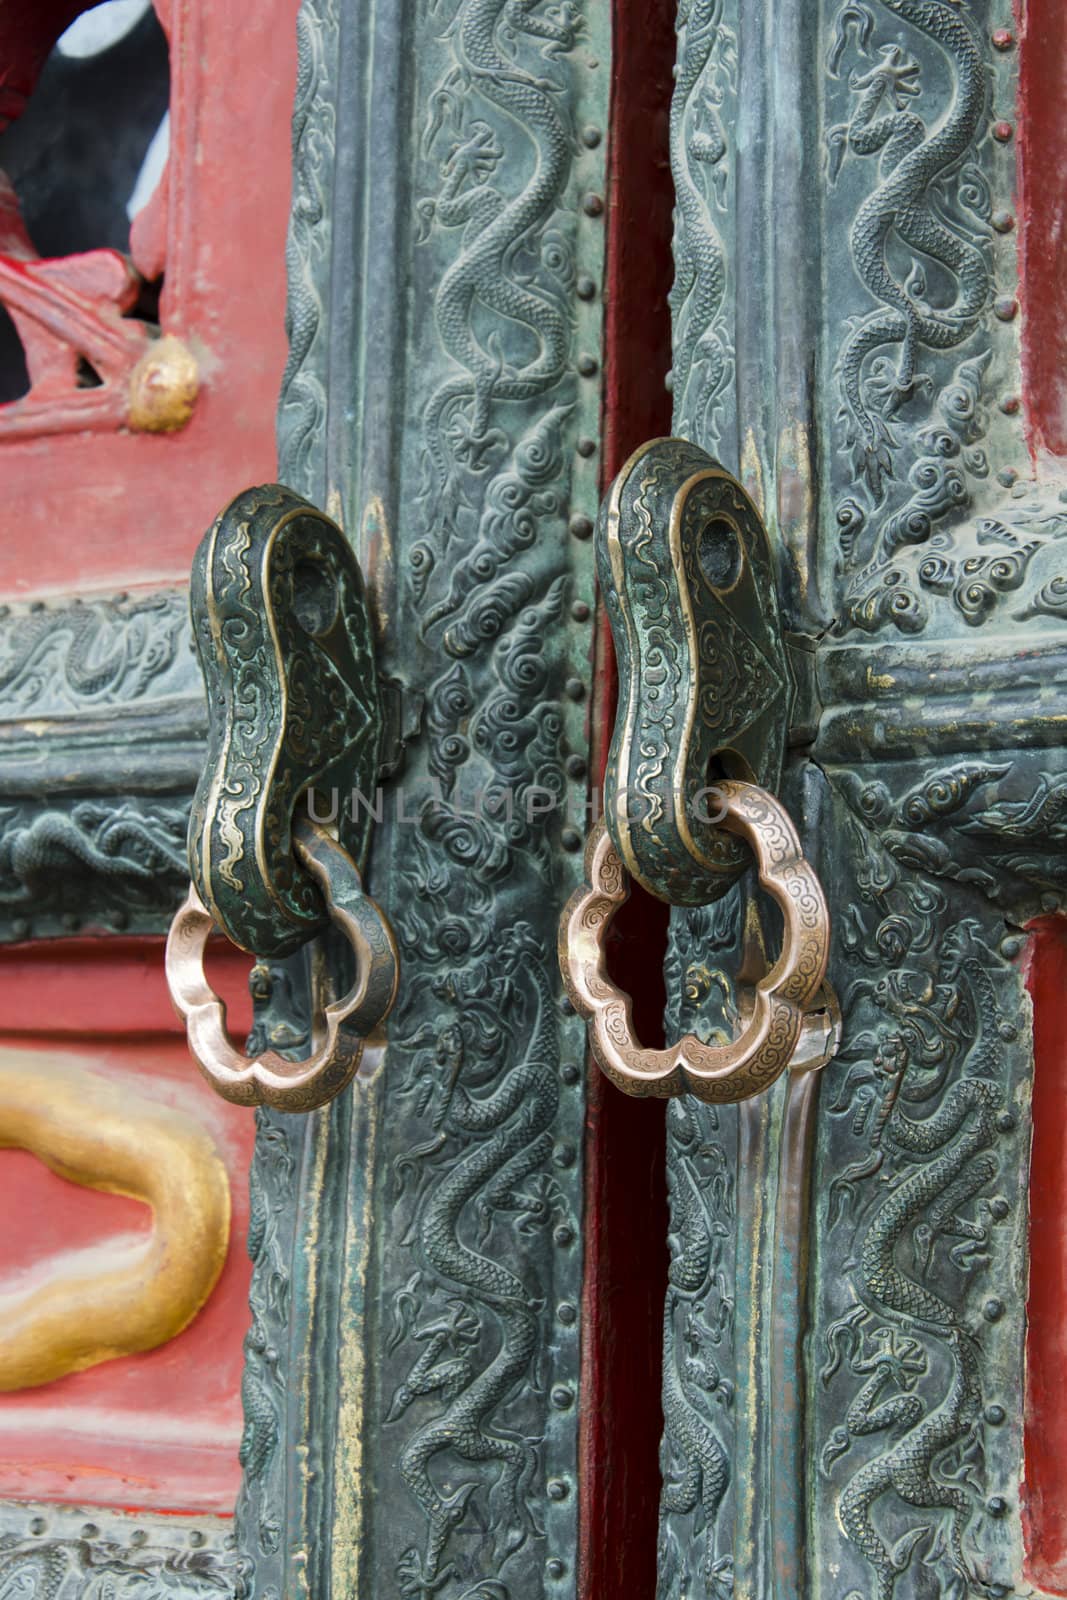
point(163, 387)
point(109, 1300)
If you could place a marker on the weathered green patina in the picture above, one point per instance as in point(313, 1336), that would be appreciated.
point(844, 1363)
point(412, 1384)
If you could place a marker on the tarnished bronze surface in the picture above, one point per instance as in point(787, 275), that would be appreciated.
point(284, 638)
point(685, 568)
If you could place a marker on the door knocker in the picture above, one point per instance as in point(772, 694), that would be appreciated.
point(285, 644)
point(704, 700)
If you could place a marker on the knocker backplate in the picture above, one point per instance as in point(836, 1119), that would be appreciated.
point(704, 686)
point(285, 645)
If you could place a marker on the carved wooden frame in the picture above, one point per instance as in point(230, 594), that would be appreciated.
point(102, 718)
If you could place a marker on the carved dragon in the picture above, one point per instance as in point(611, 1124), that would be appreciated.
point(944, 1162)
point(471, 1337)
point(702, 362)
point(696, 1463)
point(89, 650)
point(509, 1126)
point(698, 1328)
point(911, 161)
point(495, 228)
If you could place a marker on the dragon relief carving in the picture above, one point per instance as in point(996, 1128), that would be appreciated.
point(302, 402)
point(486, 1190)
point(488, 1079)
point(280, 1007)
point(701, 104)
point(272, 1195)
point(698, 1326)
point(48, 1555)
point(511, 260)
point(82, 653)
point(912, 372)
point(993, 826)
point(922, 1115)
point(129, 857)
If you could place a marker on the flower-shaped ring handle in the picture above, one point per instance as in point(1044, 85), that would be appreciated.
point(781, 1025)
point(338, 1034)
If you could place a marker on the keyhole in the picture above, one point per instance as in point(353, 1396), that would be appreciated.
point(719, 554)
point(314, 597)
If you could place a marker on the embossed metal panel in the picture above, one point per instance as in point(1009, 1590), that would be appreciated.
point(413, 1368)
point(844, 1324)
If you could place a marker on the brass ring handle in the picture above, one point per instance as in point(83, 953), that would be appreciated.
point(339, 1035)
point(775, 1031)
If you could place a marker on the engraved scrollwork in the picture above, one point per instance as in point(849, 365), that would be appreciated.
point(736, 1069)
point(283, 635)
point(684, 563)
point(1050, 600)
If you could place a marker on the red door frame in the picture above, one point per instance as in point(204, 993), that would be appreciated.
point(626, 1190)
point(1042, 217)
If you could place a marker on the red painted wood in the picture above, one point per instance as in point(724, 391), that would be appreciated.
point(139, 503)
point(626, 1212)
point(157, 1431)
point(63, 987)
point(1042, 129)
point(1045, 1497)
point(1042, 150)
point(85, 511)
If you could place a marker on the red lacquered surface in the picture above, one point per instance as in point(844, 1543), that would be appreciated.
point(1042, 147)
point(1042, 132)
point(135, 505)
point(84, 511)
point(1045, 1499)
point(159, 1430)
